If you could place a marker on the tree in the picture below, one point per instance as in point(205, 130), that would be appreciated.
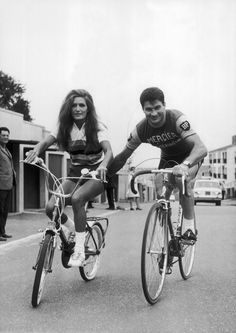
point(11, 96)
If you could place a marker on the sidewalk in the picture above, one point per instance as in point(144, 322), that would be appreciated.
point(229, 202)
point(31, 221)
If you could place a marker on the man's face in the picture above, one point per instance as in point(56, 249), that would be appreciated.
point(155, 113)
point(4, 137)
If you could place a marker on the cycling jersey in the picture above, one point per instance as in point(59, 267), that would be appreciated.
point(170, 137)
point(77, 145)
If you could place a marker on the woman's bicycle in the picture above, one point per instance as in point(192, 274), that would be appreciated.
point(163, 245)
point(96, 228)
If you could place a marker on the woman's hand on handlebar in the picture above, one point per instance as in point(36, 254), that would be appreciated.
point(102, 171)
point(31, 156)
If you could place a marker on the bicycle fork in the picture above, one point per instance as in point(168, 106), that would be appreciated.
point(49, 264)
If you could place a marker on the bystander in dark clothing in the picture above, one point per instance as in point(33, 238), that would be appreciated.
point(110, 191)
point(222, 190)
point(7, 181)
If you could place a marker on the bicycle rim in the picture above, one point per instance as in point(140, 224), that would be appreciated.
point(92, 243)
point(186, 260)
point(43, 267)
point(154, 254)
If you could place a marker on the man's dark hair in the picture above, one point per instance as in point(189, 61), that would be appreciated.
point(152, 94)
point(4, 129)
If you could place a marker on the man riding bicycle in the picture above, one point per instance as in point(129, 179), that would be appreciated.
point(170, 131)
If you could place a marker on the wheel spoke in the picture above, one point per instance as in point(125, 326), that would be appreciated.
point(93, 243)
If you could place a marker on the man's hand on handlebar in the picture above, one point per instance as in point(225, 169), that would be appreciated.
point(180, 170)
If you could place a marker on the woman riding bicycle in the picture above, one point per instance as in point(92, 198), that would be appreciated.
point(86, 139)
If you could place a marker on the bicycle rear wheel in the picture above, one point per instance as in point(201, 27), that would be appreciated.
point(154, 254)
point(43, 267)
point(93, 244)
point(186, 259)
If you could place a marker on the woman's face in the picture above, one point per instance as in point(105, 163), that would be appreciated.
point(79, 109)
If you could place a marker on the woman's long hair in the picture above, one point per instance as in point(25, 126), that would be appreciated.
point(66, 121)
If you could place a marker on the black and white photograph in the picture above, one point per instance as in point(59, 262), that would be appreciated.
point(117, 166)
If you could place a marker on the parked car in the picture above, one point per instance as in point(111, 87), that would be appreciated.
point(207, 190)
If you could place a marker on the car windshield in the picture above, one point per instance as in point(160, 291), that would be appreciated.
point(204, 183)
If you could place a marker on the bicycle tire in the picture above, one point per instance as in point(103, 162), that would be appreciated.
point(154, 254)
point(92, 259)
point(43, 267)
point(186, 259)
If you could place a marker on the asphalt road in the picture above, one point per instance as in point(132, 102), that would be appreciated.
point(114, 301)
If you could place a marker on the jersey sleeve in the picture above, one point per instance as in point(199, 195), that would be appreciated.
point(103, 133)
point(133, 141)
point(183, 127)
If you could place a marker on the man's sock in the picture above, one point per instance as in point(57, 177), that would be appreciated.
point(188, 224)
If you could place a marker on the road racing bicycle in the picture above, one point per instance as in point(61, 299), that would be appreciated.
point(163, 244)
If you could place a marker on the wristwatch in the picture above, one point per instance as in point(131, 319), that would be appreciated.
point(186, 162)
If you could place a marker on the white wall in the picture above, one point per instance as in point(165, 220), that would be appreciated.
point(19, 128)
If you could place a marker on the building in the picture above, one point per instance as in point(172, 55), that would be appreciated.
point(221, 164)
point(30, 191)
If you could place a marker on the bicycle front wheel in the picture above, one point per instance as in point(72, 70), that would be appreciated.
point(93, 244)
point(154, 254)
point(43, 267)
point(186, 258)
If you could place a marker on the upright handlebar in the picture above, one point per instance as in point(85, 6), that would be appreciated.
point(86, 174)
point(156, 171)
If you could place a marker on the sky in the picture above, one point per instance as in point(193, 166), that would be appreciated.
point(117, 48)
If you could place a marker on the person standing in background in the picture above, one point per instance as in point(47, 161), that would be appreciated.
point(132, 197)
point(7, 181)
point(222, 186)
point(110, 191)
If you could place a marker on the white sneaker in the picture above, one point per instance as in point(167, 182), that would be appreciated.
point(77, 259)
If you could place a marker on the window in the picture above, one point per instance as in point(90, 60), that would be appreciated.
point(224, 157)
point(224, 172)
point(210, 158)
point(214, 158)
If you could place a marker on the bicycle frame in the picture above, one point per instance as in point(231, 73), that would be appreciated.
point(175, 235)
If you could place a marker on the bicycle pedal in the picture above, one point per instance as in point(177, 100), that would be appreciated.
point(168, 270)
point(188, 242)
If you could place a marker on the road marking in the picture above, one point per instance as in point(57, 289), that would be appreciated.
point(19, 242)
point(22, 241)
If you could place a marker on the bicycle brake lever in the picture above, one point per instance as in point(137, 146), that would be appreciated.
point(93, 174)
